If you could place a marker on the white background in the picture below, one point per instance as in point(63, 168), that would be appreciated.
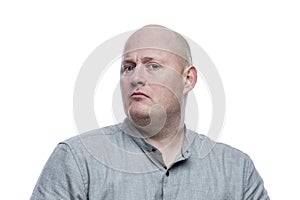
point(255, 46)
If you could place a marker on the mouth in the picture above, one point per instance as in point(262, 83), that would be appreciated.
point(139, 95)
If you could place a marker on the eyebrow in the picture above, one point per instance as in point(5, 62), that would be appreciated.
point(144, 60)
point(127, 61)
point(147, 59)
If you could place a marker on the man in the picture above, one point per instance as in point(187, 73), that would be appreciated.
point(151, 155)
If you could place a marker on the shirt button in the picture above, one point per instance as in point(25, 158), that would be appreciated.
point(167, 173)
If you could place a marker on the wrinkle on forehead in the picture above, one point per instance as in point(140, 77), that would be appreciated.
point(159, 37)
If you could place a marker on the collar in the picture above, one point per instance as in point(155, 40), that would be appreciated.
point(129, 129)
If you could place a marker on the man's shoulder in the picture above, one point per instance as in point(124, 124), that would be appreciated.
point(221, 157)
point(83, 142)
point(229, 150)
point(218, 150)
point(106, 131)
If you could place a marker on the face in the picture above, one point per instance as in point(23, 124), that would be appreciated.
point(151, 83)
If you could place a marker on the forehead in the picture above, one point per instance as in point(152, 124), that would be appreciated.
point(160, 40)
point(149, 54)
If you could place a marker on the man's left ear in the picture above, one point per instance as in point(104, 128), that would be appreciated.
point(190, 78)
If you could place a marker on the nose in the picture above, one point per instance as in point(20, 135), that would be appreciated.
point(138, 77)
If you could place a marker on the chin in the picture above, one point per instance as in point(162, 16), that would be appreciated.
point(139, 109)
point(139, 117)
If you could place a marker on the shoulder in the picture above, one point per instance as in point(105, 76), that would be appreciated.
point(104, 132)
point(84, 145)
point(229, 151)
point(205, 147)
point(234, 167)
point(222, 159)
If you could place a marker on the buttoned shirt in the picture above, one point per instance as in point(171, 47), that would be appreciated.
point(116, 162)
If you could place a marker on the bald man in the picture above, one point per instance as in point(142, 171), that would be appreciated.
point(151, 155)
point(156, 76)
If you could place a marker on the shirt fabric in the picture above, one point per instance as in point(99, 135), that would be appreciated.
point(115, 163)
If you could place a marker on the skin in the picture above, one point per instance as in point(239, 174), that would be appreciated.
point(156, 77)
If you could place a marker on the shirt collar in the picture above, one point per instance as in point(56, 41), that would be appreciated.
point(129, 129)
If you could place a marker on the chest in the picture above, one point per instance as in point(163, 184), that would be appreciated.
point(179, 182)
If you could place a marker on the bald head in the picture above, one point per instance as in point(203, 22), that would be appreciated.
point(159, 37)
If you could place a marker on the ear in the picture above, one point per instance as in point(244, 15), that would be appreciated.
point(190, 78)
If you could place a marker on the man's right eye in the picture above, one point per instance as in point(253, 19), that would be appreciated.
point(127, 68)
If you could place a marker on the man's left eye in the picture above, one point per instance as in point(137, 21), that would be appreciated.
point(153, 66)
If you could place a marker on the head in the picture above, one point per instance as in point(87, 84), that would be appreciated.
point(156, 76)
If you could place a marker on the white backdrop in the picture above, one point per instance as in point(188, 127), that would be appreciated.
point(255, 46)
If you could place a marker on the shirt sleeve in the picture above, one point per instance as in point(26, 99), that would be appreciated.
point(60, 178)
point(254, 185)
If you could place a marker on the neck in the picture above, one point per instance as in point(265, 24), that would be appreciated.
point(167, 136)
point(169, 139)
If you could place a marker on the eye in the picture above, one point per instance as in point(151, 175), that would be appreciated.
point(153, 66)
point(127, 68)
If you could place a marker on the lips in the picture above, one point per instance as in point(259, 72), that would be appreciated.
point(139, 95)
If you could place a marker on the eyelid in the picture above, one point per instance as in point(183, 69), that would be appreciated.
point(153, 63)
point(125, 67)
point(128, 64)
point(148, 65)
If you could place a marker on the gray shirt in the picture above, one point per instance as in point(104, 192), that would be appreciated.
point(115, 163)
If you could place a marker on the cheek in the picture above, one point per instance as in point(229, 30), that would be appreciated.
point(124, 86)
point(124, 93)
point(172, 82)
point(170, 87)
point(166, 96)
